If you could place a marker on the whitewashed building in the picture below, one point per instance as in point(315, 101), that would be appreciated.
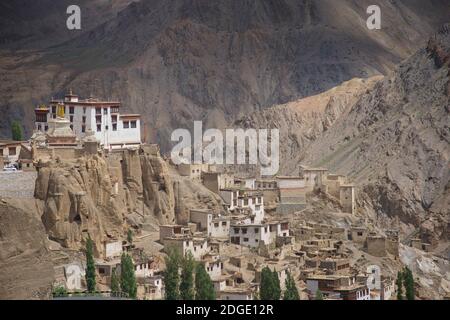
point(114, 130)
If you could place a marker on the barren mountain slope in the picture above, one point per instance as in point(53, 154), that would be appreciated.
point(301, 122)
point(216, 60)
point(395, 141)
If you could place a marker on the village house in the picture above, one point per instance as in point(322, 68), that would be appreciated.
point(235, 293)
point(347, 198)
point(213, 265)
point(358, 234)
point(243, 201)
point(292, 194)
point(9, 151)
point(150, 288)
point(314, 178)
point(195, 171)
point(251, 235)
point(114, 130)
point(215, 226)
point(342, 287)
point(113, 249)
point(334, 183)
point(197, 246)
point(216, 181)
point(169, 231)
point(335, 265)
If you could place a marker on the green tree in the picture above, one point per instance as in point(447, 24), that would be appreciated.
point(171, 276)
point(115, 284)
point(408, 280)
point(291, 292)
point(270, 285)
point(16, 131)
point(204, 288)
point(319, 295)
point(127, 276)
point(187, 278)
point(59, 291)
point(266, 286)
point(399, 283)
point(90, 265)
point(276, 285)
point(130, 236)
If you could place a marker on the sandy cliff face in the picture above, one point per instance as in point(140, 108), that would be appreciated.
point(80, 201)
point(26, 268)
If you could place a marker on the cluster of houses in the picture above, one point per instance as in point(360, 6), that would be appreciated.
point(233, 245)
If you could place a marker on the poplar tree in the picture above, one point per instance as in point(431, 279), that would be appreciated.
point(90, 265)
point(204, 287)
point(291, 292)
point(127, 276)
point(270, 285)
point(187, 278)
point(115, 285)
point(408, 280)
point(276, 285)
point(399, 283)
point(16, 131)
point(171, 276)
point(266, 285)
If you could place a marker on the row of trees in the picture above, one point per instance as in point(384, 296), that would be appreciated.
point(405, 280)
point(125, 284)
point(270, 286)
point(193, 283)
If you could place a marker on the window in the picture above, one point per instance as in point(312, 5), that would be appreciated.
point(1, 152)
point(98, 119)
point(114, 109)
point(133, 124)
point(360, 233)
point(71, 110)
point(245, 239)
point(12, 151)
point(244, 231)
point(236, 230)
point(126, 124)
point(114, 118)
point(105, 110)
point(71, 126)
point(71, 118)
point(98, 111)
point(39, 127)
point(114, 126)
point(84, 110)
point(83, 128)
point(256, 230)
point(99, 127)
point(53, 109)
point(83, 119)
point(224, 223)
point(46, 128)
point(216, 225)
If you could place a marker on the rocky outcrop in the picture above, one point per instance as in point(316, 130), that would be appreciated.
point(79, 201)
point(26, 268)
point(101, 196)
